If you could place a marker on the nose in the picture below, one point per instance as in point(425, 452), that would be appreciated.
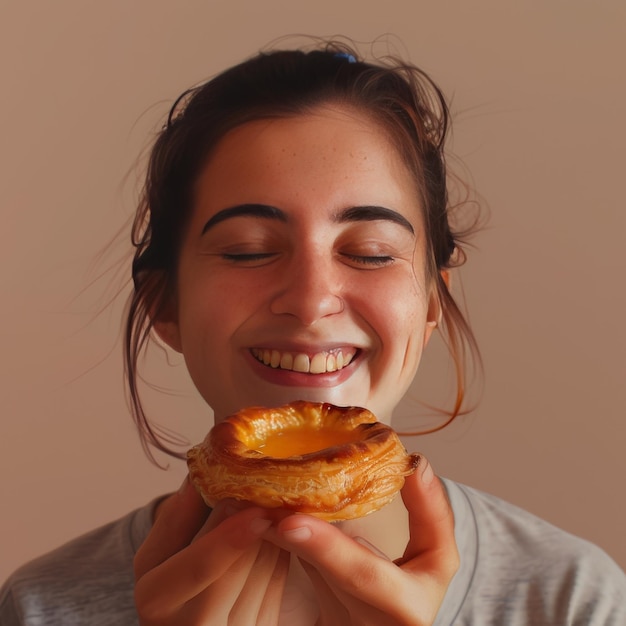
point(309, 288)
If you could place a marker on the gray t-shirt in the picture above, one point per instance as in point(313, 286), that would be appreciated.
point(516, 570)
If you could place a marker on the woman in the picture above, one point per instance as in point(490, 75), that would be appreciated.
point(294, 242)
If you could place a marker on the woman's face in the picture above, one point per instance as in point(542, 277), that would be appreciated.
point(302, 270)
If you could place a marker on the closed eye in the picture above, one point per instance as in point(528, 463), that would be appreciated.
point(371, 261)
point(249, 257)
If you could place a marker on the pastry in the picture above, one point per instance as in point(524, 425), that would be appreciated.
point(335, 463)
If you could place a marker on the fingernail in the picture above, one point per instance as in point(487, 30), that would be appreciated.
point(428, 474)
point(372, 548)
point(298, 535)
point(259, 525)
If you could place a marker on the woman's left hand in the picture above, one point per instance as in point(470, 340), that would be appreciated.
point(356, 586)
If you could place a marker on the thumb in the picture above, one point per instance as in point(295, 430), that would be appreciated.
point(432, 546)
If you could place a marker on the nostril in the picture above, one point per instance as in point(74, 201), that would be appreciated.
point(308, 307)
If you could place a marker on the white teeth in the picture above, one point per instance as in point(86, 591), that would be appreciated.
point(319, 363)
point(340, 360)
point(286, 361)
point(301, 363)
point(275, 360)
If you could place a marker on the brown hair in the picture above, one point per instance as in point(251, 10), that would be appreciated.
point(277, 84)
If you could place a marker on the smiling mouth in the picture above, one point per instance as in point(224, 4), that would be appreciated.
point(319, 363)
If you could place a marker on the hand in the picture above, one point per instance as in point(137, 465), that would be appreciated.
point(358, 586)
point(195, 568)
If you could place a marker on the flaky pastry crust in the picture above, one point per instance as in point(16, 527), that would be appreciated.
point(340, 482)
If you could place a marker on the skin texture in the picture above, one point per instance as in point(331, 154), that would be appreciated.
point(324, 284)
point(311, 275)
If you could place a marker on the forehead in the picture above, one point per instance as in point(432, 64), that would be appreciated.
point(331, 152)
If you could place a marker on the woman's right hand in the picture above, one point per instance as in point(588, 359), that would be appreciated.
point(193, 569)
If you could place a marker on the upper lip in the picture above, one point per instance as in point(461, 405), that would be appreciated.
point(303, 345)
point(308, 349)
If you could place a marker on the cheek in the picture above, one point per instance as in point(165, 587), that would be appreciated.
point(397, 308)
point(205, 301)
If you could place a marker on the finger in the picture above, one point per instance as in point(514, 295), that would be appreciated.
point(352, 582)
point(189, 572)
point(215, 603)
point(221, 511)
point(328, 602)
point(431, 546)
point(271, 605)
point(365, 583)
point(178, 519)
point(258, 602)
point(339, 608)
point(371, 547)
point(344, 563)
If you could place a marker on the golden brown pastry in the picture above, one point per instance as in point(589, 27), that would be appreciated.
point(333, 462)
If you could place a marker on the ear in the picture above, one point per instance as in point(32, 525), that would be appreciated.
point(168, 332)
point(165, 325)
point(435, 312)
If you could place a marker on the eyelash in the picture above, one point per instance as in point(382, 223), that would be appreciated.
point(242, 258)
point(371, 261)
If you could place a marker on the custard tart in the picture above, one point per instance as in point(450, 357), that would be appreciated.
point(335, 463)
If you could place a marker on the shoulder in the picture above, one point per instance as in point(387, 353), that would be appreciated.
point(527, 566)
point(87, 580)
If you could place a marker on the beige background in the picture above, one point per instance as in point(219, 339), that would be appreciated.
point(539, 101)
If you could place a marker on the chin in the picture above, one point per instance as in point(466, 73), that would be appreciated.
point(259, 393)
point(279, 396)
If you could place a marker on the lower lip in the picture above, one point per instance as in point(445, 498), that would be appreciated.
point(290, 378)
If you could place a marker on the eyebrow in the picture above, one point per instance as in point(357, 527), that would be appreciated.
point(371, 213)
point(250, 210)
point(367, 213)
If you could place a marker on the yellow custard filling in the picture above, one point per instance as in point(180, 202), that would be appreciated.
point(303, 440)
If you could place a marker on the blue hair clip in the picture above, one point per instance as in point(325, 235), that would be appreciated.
point(344, 55)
